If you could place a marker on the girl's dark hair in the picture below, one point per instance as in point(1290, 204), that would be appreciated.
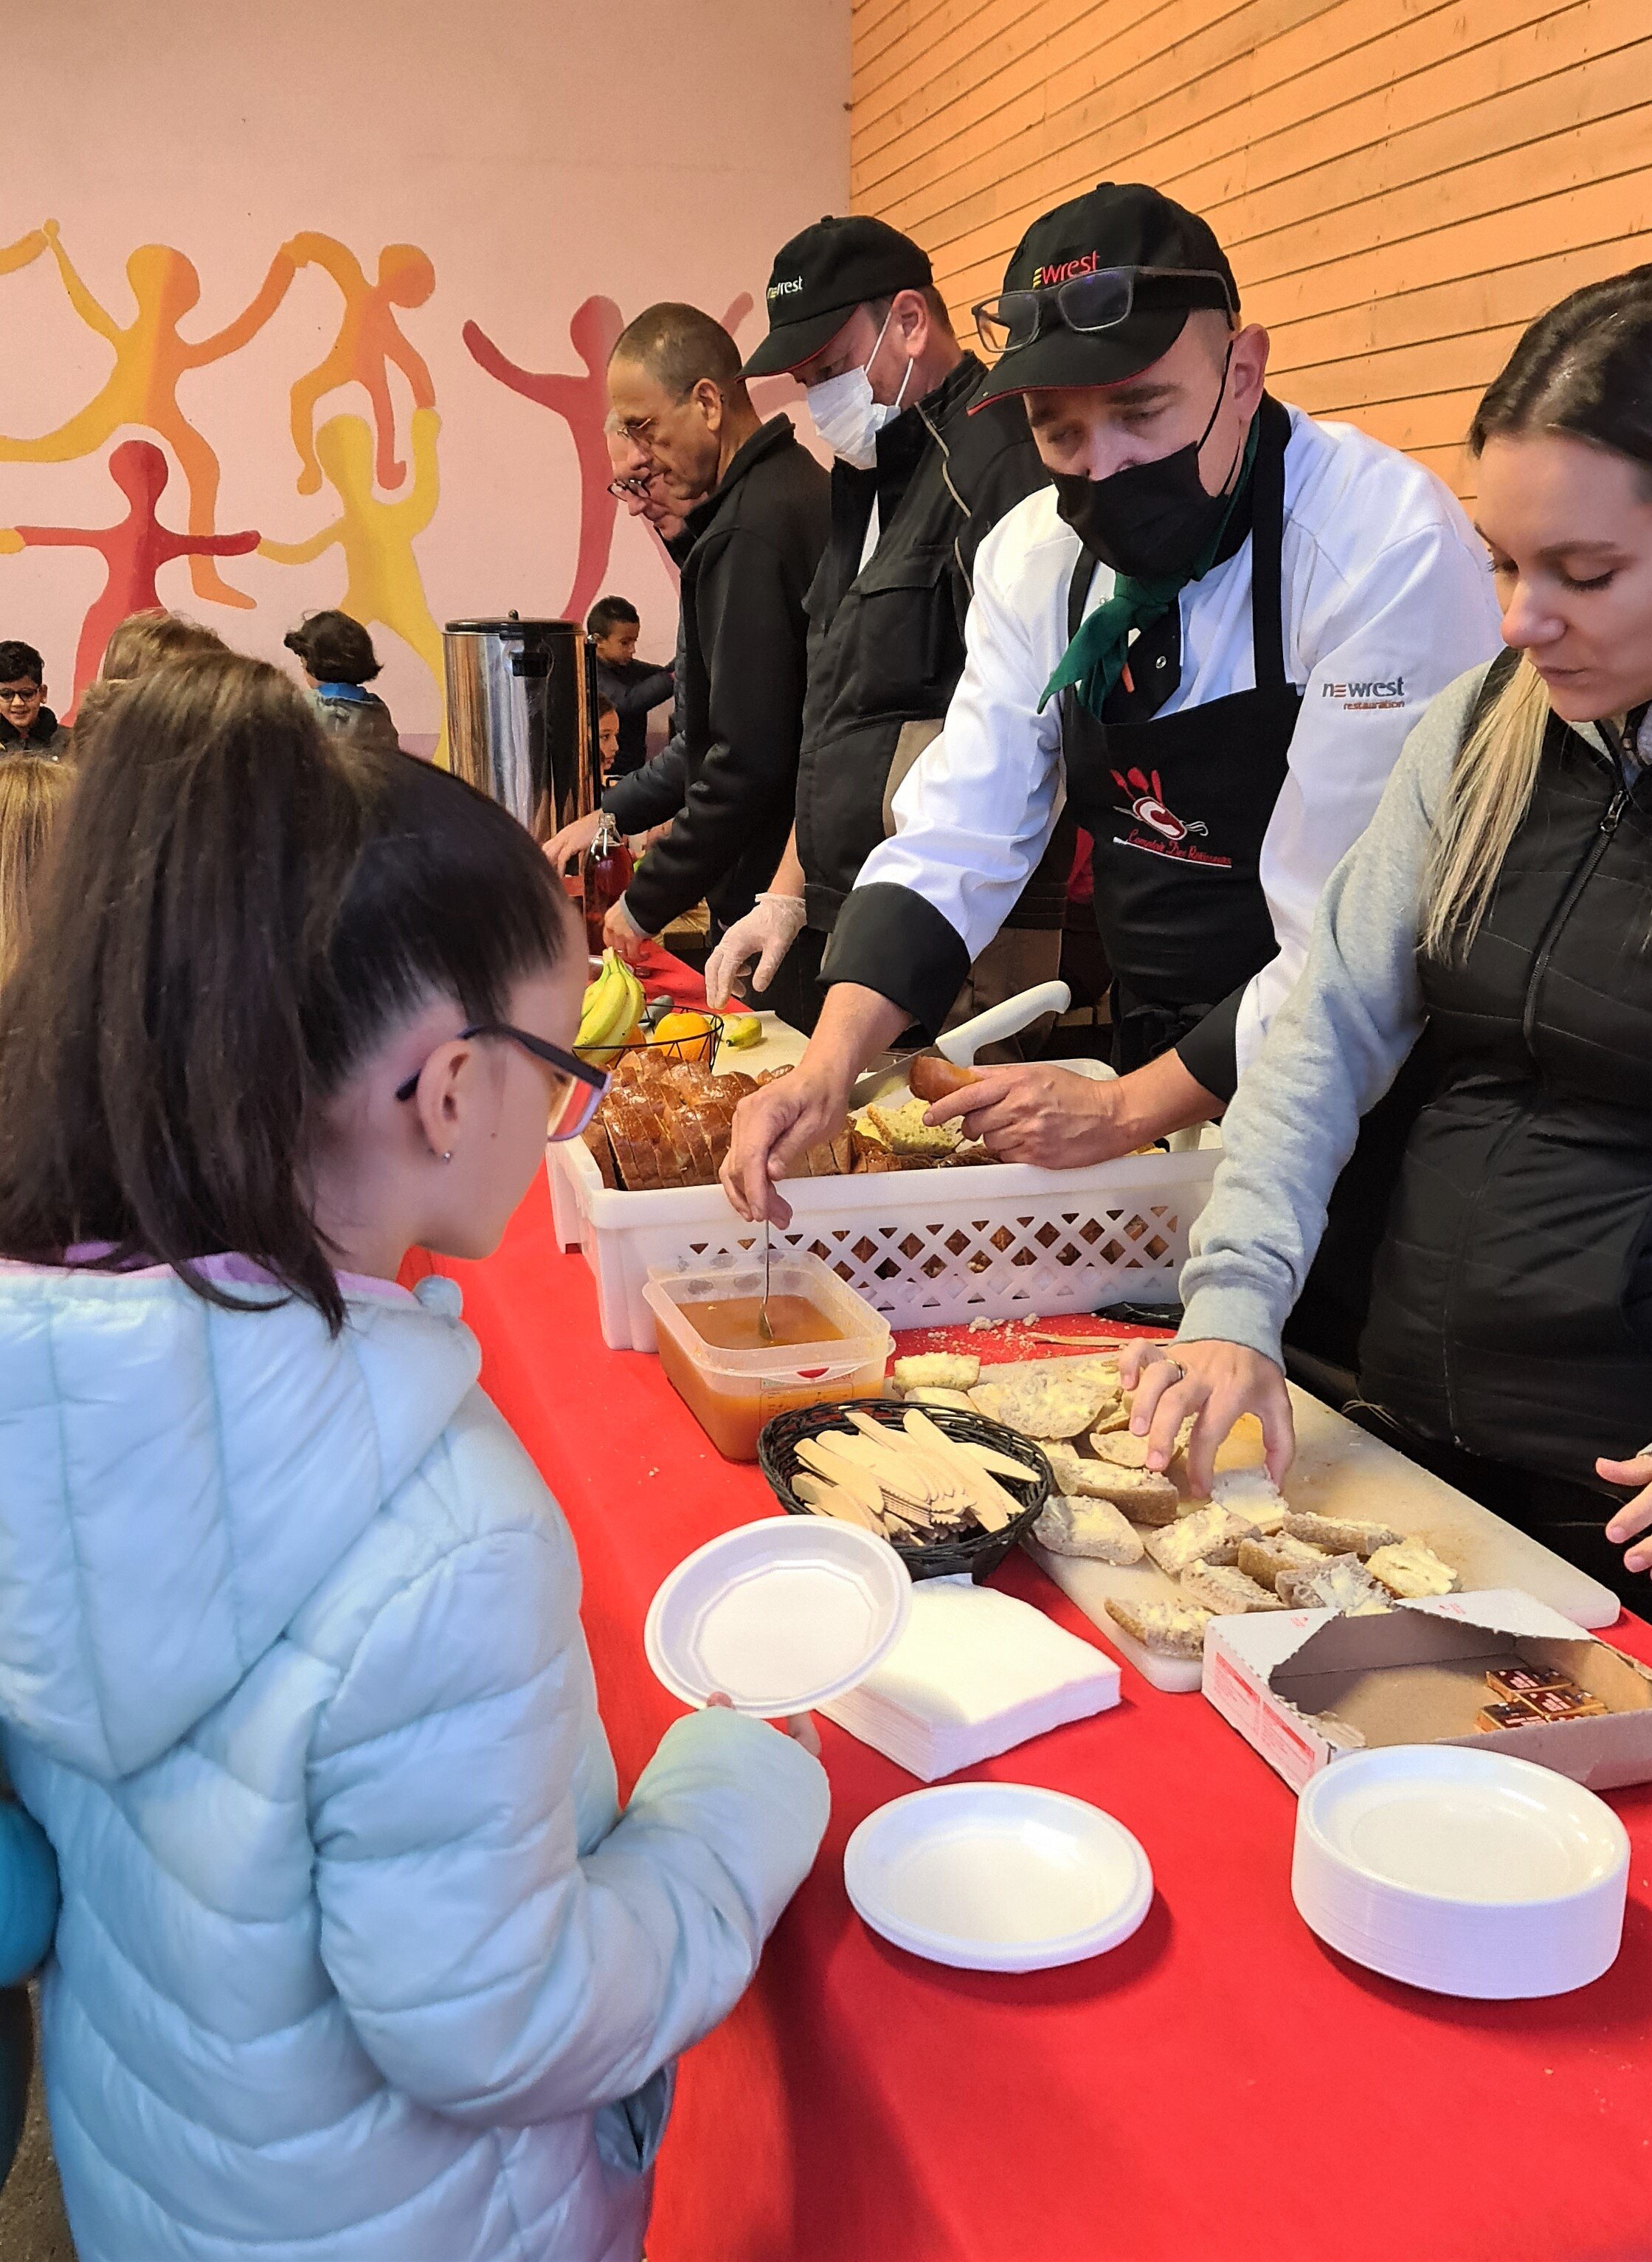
point(335, 648)
point(242, 907)
point(1584, 368)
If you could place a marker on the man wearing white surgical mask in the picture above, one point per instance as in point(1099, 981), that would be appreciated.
point(917, 483)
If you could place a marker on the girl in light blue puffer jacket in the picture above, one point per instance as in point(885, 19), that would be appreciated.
point(358, 1961)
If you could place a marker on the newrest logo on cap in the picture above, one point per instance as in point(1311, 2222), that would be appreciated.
point(785, 290)
point(1065, 269)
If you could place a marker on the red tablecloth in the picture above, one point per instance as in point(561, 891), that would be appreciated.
point(1220, 2089)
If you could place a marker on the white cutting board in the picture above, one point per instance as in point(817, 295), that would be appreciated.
point(1340, 1470)
point(781, 1046)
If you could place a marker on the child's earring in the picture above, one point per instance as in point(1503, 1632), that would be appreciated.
point(447, 1157)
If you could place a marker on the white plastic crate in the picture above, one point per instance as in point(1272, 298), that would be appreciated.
point(918, 1245)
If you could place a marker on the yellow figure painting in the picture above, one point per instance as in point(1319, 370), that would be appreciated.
point(369, 340)
point(150, 358)
point(384, 588)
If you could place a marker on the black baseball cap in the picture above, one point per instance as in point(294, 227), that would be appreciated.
point(1117, 224)
point(822, 276)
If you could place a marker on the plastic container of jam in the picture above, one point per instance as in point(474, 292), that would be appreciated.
point(829, 1343)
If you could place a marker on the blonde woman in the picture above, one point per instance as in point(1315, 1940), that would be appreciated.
point(1499, 911)
point(32, 790)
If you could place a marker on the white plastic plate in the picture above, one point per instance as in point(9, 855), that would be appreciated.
point(778, 1616)
point(997, 1876)
point(1467, 1872)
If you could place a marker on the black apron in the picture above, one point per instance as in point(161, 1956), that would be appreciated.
point(1177, 808)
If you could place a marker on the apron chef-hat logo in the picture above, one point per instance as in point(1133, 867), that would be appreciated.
point(1147, 805)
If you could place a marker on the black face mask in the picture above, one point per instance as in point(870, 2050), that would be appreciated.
point(1152, 522)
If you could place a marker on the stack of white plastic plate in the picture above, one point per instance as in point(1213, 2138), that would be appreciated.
point(997, 1876)
point(778, 1616)
point(1467, 1872)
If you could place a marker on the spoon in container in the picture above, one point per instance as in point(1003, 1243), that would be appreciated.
point(766, 1333)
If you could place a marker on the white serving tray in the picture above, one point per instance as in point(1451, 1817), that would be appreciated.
point(1342, 1470)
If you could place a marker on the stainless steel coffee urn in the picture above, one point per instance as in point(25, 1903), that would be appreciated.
point(522, 716)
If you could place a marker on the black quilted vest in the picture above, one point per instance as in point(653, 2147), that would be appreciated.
point(1511, 1306)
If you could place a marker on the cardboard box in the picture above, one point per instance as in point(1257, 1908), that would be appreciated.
point(1307, 1687)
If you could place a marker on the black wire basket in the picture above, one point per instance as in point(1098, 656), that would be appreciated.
point(976, 1553)
point(701, 1049)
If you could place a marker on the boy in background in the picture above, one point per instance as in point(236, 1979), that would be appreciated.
point(27, 724)
point(630, 684)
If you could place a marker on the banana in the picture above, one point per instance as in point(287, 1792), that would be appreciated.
point(605, 1004)
point(610, 1006)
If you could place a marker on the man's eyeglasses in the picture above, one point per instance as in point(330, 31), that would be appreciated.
point(577, 1100)
point(641, 487)
point(1099, 300)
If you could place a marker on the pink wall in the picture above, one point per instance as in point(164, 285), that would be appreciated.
point(540, 157)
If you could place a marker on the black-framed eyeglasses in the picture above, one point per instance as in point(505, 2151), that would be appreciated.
point(622, 490)
point(576, 1103)
point(1099, 300)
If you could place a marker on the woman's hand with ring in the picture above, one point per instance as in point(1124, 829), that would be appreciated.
point(1214, 1383)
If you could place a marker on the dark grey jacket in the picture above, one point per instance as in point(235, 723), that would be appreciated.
point(756, 542)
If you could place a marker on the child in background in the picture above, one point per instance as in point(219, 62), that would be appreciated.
point(608, 737)
point(631, 687)
point(32, 790)
point(339, 662)
point(27, 724)
point(358, 1956)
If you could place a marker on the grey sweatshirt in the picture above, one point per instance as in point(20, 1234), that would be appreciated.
point(1331, 1053)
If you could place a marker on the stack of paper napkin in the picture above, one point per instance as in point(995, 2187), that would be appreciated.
point(974, 1673)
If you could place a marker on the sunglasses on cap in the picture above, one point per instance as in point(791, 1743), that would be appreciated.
point(579, 1095)
point(1099, 300)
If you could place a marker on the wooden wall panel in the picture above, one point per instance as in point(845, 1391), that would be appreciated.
point(1401, 185)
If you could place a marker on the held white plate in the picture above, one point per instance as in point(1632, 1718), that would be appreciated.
point(997, 1876)
point(778, 1615)
point(1469, 1873)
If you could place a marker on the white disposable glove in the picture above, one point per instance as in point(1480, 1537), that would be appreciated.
point(766, 933)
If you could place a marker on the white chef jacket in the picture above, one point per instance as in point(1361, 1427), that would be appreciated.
point(1387, 598)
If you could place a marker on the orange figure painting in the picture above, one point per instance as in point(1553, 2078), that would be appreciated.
point(134, 549)
point(369, 342)
point(150, 358)
point(383, 584)
point(582, 402)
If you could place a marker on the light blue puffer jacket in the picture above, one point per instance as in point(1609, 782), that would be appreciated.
point(355, 1962)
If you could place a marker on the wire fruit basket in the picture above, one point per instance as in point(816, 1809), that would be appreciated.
point(701, 1047)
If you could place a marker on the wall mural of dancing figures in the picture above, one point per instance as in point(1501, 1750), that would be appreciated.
point(354, 336)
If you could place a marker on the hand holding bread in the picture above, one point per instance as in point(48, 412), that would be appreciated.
point(1028, 1112)
point(1211, 1384)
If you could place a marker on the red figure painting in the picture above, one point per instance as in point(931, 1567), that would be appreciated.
point(582, 402)
point(134, 549)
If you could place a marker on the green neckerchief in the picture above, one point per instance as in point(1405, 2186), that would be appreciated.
point(1094, 660)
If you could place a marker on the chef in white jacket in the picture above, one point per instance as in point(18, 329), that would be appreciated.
point(1212, 633)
